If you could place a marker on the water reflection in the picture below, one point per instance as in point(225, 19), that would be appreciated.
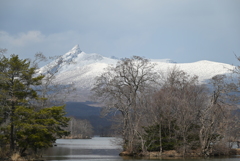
point(83, 149)
point(100, 149)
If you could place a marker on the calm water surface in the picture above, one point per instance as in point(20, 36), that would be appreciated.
point(98, 149)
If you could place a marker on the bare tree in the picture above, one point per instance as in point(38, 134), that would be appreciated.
point(123, 88)
point(51, 91)
point(174, 109)
point(2, 51)
point(234, 126)
point(216, 116)
point(79, 129)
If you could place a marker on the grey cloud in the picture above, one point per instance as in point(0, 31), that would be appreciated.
point(181, 30)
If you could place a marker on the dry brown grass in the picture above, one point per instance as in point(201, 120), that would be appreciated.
point(15, 156)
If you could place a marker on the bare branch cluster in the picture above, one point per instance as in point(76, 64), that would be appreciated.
point(175, 114)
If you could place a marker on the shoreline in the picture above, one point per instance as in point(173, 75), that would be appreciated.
point(170, 154)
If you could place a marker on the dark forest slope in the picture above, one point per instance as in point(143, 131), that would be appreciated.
point(81, 110)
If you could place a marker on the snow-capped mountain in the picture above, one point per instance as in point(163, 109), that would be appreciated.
point(75, 58)
point(81, 68)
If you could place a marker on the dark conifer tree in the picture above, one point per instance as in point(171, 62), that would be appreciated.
point(23, 126)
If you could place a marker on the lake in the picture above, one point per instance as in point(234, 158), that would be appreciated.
point(98, 149)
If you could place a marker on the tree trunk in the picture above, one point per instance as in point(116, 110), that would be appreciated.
point(160, 138)
point(12, 140)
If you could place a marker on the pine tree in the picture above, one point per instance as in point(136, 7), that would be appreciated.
point(22, 125)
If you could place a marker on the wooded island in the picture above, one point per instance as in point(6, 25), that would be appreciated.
point(157, 112)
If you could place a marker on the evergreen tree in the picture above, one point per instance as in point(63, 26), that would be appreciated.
point(22, 125)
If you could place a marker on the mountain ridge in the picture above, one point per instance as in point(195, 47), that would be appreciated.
point(81, 68)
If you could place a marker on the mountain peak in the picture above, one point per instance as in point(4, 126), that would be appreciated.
point(73, 53)
point(66, 59)
point(76, 49)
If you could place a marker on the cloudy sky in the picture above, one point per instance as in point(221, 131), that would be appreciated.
point(181, 30)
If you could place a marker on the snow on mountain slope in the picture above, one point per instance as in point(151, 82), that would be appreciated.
point(204, 69)
point(162, 61)
point(80, 68)
point(83, 76)
point(76, 58)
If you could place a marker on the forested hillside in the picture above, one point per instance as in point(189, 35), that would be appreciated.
point(101, 125)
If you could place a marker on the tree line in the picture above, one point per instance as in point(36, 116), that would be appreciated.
point(158, 111)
